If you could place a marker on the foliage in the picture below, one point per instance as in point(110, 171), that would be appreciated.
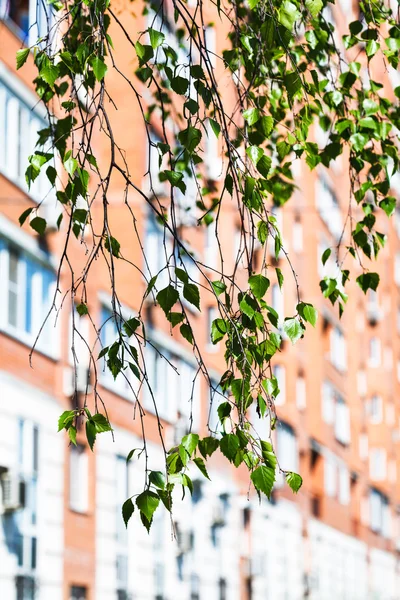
point(289, 74)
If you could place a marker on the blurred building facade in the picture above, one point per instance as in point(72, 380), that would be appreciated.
point(61, 532)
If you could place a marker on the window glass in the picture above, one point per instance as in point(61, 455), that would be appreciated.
point(78, 478)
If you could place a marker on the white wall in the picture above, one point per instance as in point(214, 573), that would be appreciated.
point(19, 400)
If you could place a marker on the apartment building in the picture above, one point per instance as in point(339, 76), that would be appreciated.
point(61, 533)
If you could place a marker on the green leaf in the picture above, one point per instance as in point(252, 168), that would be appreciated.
point(199, 462)
point(99, 68)
point(101, 423)
point(293, 329)
point(314, 6)
point(279, 276)
point(147, 502)
point(186, 332)
point(359, 140)
point(175, 318)
point(251, 115)
point(266, 125)
point(22, 55)
point(180, 85)
point(72, 434)
point(218, 330)
point(288, 14)
point(229, 445)
point(254, 153)
point(223, 411)
point(253, 3)
point(326, 254)
point(207, 446)
point(49, 74)
point(368, 281)
point(268, 455)
point(39, 225)
point(71, 165)
point(157, 478)
point(91, 433)
point(258, 285)
point(167, 297)
point(264, 165)
point(219, 287)
point(191, 294)
point(190, 138)
point(82, 309)
point(388, 205)
point(294, 480)
point(113, 246)
point(215, 126)
point(156, 38)
point(66, 419)
point(310, 314)
point(263, 479)
point(292, 83)
point(189, 442)
point(22, 218)
point(371, 48)
point(127, 510)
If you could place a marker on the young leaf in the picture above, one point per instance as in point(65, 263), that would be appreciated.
point(293, 329)
point(218, 330)
point(326, 255)
point(147, 502)
point(229, 445)
point(158, 479)
point(310, 314)
point(294, 480)
point(219, 287)
point(22, 218)
point(22, 55)
point(189, 442)
point(127, 510)
point(66, 419)
point(156, 38)
point(167, 297)
point(72, 434)
point(39, 225)
point(259, 285)
point(263, 479)
point(91, 433)
point(99, 68)
point(215, 126)
point(191, 294)
point(199, 462)
point(207, 446)
point(251, 115)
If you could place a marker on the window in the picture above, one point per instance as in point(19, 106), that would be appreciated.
point(338, 349)
point(328, 403)
point(159, 577)
point(78, 478)
point(29, 17)
point(122, 493)
point(377, 464)
point(194, 587)
point(375, 409)
point(156, 162)
point(78, 593)
point(328, 207)
point(287, 448)
point(25, 296)
point(126, 383)
point(278, 301)
point(175, 391)
point(362, 387)
point(342, 421)
point(212, 314)
point(379, 513)
point(26, 587)
point(301, 393)
point(297, 236)
point(390, 414)
point(374, 359)
point(211, 248)
point(212, 156)
point(336, 478)
point(216, 397)
point(279, 372)
point(222, 589)
point(157, 249)
point(19, 126)
point(363, 446)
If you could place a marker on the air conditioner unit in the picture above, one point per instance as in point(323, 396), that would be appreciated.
point(13, 491)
